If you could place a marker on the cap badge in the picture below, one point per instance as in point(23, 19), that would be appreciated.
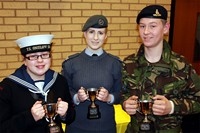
point(101, 22)
point(156, 13)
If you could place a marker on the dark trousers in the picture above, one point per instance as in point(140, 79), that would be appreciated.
point(191, 123)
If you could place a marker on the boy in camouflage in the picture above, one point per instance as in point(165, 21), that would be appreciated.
point(160, 74)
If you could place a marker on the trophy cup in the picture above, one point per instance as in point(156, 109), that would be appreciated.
point(93, 109)
point(50, 114)
point(146, 125)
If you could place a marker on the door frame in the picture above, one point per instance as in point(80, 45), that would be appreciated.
point(179, 26)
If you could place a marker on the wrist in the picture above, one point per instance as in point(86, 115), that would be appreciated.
point(172, 107)
point(76, 99)
point(110, 99)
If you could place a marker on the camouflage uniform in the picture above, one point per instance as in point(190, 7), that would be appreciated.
point(172, 77)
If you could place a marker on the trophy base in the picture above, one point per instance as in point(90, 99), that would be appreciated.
point(93, 113)
point(147, 127)
point(54, 129)
point(52, 124)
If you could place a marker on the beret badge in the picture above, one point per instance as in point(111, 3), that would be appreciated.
point(157, 13)
point(101, 22)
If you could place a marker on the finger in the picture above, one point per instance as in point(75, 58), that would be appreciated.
point(159, 97)
point(159, 102)
point(157, 111)
point(133, 98)
point(62, 108)
point(82, 89)
point(59, 99)
point(103, 90)
point(38, 102)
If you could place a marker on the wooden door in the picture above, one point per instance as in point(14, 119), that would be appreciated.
point(185, 23)
point(184, 34)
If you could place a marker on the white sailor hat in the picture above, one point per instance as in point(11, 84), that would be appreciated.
point(35, 43)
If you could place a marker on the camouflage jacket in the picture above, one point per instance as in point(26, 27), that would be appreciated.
point(172, 77)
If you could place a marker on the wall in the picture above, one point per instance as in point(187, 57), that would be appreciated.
point(64, 19)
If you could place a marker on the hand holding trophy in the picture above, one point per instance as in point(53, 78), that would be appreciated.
point(50, 114)
point(93, 109)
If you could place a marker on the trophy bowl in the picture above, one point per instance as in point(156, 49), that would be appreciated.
point(50, 113)
point(146, 107)
point(93, 109)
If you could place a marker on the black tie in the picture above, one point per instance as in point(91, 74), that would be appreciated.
point(94, 55)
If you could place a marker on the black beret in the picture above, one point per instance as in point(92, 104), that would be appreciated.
point(152, 11)
point(95, 21)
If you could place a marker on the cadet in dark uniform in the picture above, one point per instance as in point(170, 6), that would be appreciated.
point(102, 71)
point(23, 93)
point(160, 74)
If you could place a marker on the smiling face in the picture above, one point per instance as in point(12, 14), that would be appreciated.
point(37, 67)
point(152, 31)
point(95, 37)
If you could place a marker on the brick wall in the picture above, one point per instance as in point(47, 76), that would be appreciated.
point(64, 19)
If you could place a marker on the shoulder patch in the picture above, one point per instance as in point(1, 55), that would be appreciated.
point(115, 57)
point(72, 56)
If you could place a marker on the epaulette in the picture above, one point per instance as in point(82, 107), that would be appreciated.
point(115, 57)
point(73, 56)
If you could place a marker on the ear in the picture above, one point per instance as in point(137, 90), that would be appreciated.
point(24, 60)
point(166, 28)
point(106, 36)
point(25, 63)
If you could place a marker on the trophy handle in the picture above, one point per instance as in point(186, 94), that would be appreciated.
point(55, 116)
point(138, 110)
point(46, 119)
